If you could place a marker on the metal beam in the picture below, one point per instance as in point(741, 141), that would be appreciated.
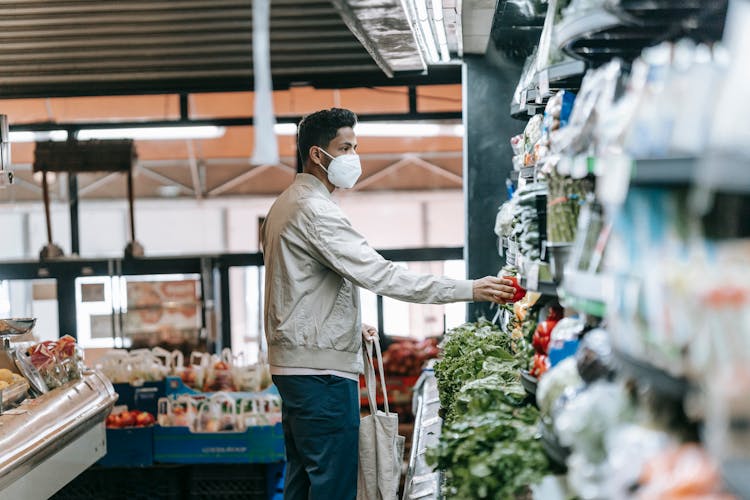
point(194, 175)
point(223, 122)
point(408, 160)
point(98, 183)
point(162, 178)
point(243, 177)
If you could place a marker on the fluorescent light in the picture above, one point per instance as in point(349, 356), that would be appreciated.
point(426, 29)
point(383, 129)
point(153, 133)
point(372, 129)
point(442, 39)
point(285, 129)
point(51, 135)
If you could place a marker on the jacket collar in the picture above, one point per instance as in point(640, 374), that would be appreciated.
point(313, 182)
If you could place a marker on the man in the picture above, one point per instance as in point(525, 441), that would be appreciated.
point(315, 263)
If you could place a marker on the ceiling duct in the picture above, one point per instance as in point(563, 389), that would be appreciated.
point(89, 47)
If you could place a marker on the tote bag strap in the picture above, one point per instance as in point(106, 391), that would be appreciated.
point(370, 376)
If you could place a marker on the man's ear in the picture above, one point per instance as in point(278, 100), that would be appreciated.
point(315, 155)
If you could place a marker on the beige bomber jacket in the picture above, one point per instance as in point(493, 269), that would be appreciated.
point(315, 261)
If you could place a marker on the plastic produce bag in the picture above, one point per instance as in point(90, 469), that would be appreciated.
point(559, 378)
point(217, 414)
point(564, 338)
point(629, 448)
point(585, 419)
point(594, 356)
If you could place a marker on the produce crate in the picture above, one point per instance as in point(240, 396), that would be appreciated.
point(275, 481)
point(264, 444)
point(132, 447)
point(143, 397)
point(174, 386)
point(230, 481)
point(143, 483)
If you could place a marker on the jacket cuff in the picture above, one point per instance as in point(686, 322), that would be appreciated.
point(464, 291)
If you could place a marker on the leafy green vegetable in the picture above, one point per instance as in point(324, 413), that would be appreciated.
point(489, 446)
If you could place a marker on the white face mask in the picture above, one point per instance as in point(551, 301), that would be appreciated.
point(344, 170)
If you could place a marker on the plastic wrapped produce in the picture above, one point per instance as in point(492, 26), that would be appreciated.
point(594, 356)
point(566, 196)
point(681, 472)
point(561, 377)
point(564, 338)
point(585, 419)
point(629, 448)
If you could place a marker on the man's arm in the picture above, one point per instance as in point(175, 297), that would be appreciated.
point(340, 247)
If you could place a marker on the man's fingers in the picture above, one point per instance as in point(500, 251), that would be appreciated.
point(494, 280)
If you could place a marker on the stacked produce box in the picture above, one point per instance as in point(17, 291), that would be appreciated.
point(212, 409)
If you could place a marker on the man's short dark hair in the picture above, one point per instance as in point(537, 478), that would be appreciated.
point(320, 128)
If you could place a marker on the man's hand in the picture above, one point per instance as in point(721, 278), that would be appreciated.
point(369, 333)
point(492, 289)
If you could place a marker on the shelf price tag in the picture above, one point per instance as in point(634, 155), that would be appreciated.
point(543, 83)
point(613, 182)
point(532, 278)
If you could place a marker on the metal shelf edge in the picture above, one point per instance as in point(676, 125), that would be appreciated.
point(582, 24)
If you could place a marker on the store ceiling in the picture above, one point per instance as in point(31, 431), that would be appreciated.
point(88, 47)
point(72, 48)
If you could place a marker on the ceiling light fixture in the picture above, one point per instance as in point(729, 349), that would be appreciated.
point(384, 129)
point(429, 29)
point(285, 129)
point(154, 133)
point(51, 135)
point(442, 38)
point(427, 37)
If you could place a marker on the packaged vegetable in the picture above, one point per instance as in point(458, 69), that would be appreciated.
point(562, 376)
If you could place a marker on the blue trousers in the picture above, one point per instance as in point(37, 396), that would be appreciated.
point(320, 417)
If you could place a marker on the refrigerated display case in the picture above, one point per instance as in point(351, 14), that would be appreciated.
point(49, 440)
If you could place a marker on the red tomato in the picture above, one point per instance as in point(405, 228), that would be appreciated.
point(520, 291)
point(127, 419)
point(143, 419)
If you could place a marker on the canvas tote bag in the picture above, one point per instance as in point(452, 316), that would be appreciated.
point(381, 449)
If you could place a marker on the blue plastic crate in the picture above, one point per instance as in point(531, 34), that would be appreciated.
point(132, 447)
point(275, 481)
point(174, 386)
point(264, 444)
point(143, 398)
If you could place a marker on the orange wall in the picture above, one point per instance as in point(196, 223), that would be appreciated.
point(238, 141)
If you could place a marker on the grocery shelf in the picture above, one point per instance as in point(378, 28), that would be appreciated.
point(527, 172)
point(722, 173)
point(548, 288)
point(564, 72)
point(585, 292)
point(735, 476)
point(663, 383)
point(586, 306)
point(601, 34)
point(421, 482)
point(664, 171)
point(571, 30)
point(555, 452)
point(561, 76)
point(529, 382)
